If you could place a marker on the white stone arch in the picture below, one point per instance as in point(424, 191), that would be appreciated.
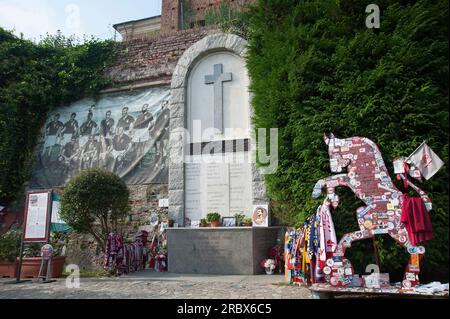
point(218, 42)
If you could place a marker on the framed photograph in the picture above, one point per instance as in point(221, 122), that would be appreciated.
point(260, 216)
point(228, 222)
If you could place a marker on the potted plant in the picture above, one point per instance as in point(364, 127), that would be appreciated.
point(9, 250)
point(32, 259)
point(239, 219)
point(203, 222)
point(248, 222)
point(214, 219)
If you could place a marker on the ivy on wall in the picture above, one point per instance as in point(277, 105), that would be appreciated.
point(34, 78)
point(316, 68)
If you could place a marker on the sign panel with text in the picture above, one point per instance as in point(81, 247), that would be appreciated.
point(37, 215)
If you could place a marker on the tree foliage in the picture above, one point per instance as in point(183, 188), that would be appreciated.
point(315, 68)
point(34, 78)
point(95, 202)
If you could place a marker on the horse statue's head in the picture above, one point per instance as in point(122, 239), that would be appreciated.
point(336, 149)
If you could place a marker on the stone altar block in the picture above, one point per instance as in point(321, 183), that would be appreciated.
point(220, 251)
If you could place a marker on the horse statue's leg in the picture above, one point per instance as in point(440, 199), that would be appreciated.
point(411, 276)
point(339, 270)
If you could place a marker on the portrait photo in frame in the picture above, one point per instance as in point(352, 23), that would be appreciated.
point(260, 215)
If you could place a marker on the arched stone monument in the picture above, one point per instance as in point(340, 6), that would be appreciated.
point(210, 88)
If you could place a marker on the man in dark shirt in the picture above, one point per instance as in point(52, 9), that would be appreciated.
point(126, 121)
point(71, 126)
point(70, 154)
point(107, 125)
point(121, 141)
point(90, 153)
point(52, 147)
point(71, 149)
point(145, 120)
point(121, 145)
point(54, 128)
point(88, 127)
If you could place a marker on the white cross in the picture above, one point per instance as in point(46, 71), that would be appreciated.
point(218, 78)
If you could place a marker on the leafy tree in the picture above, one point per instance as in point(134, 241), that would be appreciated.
point(315, 68)
point(95, 202)
point(35, 78)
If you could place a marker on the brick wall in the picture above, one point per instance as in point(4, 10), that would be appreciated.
point(154, 58)
point(194, 10)
point(198, 8)
point(170, 13)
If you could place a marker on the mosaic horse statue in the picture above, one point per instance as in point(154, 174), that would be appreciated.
point(367, 176)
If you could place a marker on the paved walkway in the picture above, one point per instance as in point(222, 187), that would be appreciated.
point(151, 285)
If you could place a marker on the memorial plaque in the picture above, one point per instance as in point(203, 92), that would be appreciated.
point(240, 189)
point(217, 192)
point(223, 188)
point(193, 191)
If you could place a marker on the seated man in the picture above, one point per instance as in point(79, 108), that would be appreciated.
point(121, 145)
point(70, 154)
point(89, 155)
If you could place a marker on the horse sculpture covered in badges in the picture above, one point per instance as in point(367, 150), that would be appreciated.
point(367, 176)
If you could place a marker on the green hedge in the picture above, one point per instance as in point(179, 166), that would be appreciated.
point(34, 78)
point(316, 68)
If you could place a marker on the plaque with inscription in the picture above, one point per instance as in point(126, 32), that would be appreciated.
point(193, 191)
point(216, 177)
point(240, 188)
point(224, 188)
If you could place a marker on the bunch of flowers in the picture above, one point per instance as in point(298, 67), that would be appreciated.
point(269, 264)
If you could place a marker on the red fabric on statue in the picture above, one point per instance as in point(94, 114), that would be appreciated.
point(416, 219)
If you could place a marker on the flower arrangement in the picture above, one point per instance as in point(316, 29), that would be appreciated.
point(277, 253)
point(269, 265)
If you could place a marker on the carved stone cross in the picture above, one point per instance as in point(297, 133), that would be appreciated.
point(218, 78)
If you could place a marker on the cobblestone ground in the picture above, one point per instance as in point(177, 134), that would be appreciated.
point(149, 285)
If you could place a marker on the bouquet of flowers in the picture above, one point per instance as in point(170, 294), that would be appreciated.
point(269, 265)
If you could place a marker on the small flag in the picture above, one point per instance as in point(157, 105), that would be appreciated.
point(426, 161)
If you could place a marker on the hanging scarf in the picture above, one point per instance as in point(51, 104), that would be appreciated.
point(327, 235)
point(113, 252)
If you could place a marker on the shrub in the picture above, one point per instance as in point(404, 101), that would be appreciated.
point(95, 202)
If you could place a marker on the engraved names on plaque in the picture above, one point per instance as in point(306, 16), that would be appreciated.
point(224, 188)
